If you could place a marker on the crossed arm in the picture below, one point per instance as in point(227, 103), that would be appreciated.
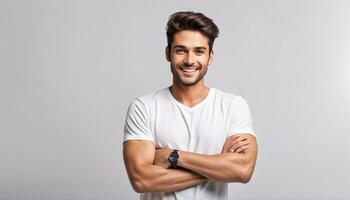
point(148, 168)
point(146, 177)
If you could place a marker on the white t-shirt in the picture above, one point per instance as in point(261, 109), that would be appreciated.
point(160, 118)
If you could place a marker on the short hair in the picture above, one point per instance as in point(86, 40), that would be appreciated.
point(188, 20)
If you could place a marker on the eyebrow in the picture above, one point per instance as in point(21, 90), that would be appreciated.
point(183, 47)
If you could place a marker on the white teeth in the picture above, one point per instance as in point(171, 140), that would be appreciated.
point(189, 70)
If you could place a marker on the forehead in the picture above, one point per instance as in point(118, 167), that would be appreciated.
point(190, 39)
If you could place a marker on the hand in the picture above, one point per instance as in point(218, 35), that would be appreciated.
point(161, 157)
point(235, 144)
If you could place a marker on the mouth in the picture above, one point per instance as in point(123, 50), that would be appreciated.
point(189, 70)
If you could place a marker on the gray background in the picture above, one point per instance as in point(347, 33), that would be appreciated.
point(69, 69)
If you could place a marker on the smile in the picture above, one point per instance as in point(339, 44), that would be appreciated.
point(189, 70)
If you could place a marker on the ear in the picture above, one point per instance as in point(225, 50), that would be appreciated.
point(167, 54)
point(211, 57)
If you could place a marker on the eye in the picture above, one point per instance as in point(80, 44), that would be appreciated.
point(180, 51)
point(199, 52)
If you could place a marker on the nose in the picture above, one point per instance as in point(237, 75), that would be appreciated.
point(189, 60)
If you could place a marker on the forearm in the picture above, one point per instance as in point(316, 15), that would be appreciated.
point(225, 167)
point(153, 178)
point(145, 176)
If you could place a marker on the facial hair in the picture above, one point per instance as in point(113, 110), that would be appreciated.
point(177, 79)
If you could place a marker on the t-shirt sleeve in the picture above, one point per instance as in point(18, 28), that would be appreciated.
point(241, 120)
point(137, 123)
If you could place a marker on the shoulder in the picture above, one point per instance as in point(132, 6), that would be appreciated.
point(148, 99)
point(227, 97)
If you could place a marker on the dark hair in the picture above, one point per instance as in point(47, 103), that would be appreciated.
point(189, 20)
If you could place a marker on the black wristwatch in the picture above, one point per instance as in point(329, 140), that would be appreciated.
point(173, 158)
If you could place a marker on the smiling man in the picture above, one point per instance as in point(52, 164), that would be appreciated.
point(189, 140)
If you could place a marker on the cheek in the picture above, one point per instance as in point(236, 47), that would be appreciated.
point(176, 60)
point(204, 61)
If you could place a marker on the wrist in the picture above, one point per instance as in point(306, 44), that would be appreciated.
point(173, 158)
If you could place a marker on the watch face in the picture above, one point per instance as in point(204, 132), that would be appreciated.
point(173, 157)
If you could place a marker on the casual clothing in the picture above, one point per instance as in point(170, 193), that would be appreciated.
point(160, 118)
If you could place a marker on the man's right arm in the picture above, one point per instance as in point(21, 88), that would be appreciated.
point(146, 177)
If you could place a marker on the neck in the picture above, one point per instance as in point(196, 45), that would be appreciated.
point(189, 95)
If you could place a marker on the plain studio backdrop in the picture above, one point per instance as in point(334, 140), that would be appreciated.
point(69, 70)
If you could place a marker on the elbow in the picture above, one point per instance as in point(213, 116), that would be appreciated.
point(143, 181)
point(139, 182)
point(139, 186)
point(240, 175)
point(245, 179)
point(245, 175)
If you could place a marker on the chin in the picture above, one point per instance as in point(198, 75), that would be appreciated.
point(188, 82)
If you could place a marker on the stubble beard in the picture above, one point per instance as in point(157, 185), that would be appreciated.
point(178, 81)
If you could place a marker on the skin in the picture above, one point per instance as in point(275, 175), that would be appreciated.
point(148, 168)
point(223, 167)
point(189, 50)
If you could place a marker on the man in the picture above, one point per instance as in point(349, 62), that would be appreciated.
point(187, 141)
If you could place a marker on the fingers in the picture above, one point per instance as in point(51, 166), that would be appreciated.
point(238, 145)
point(228, 141)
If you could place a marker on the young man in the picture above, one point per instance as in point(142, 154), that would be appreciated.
point(187, 141)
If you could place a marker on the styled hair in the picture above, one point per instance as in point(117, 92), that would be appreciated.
point(188, 20)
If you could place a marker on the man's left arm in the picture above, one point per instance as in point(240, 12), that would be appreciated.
point(224, 167)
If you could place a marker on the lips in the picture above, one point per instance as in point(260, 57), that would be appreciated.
point(189, 69)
